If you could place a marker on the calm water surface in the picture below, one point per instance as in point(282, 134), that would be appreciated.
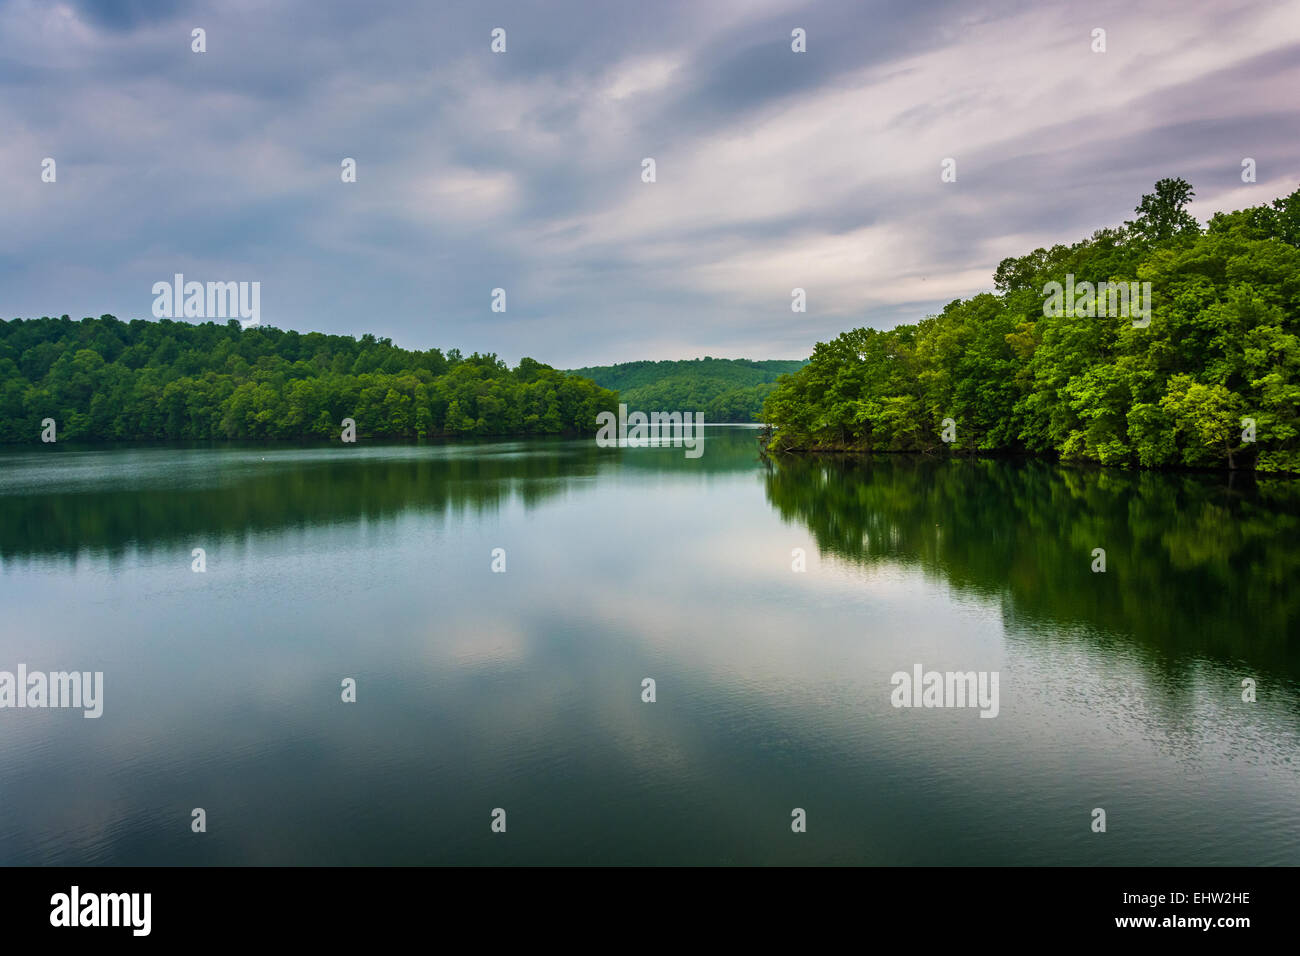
point(522, 690)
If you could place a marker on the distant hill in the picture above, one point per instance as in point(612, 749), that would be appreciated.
point(725, 390)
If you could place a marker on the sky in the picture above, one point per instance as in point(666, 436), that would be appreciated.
point(522, 170)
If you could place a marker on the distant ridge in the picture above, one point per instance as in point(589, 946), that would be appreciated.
point(725, 390)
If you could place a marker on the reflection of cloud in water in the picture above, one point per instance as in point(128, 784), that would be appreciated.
point(523, 689)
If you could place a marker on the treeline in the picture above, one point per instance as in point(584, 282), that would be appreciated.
point(104, 379)
point(1221, 346)
point(725, 390)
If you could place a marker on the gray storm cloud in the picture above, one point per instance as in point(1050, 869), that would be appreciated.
point(522, 170)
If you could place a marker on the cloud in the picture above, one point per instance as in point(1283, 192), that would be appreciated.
point(522, 170)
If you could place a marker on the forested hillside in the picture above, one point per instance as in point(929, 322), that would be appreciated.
point(725, 390)
point(107, 379)
point(1222, 345)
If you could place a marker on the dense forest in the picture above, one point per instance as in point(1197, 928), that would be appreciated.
point(1010, 373)
point(104, 379)
point(725, 390)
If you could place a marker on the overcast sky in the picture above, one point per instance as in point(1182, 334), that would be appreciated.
point(522, 170)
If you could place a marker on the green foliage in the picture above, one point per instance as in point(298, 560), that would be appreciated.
point(725, 390)
point(1162, 216)
point(104, 379)
point(1223, 343)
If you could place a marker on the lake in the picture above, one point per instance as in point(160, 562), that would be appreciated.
point(522, 689)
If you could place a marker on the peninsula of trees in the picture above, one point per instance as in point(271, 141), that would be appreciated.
point(1213, 380)
point(104, 379)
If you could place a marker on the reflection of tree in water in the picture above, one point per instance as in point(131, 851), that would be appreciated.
point(281, 494)
point(111, 513)
point(1194, 566)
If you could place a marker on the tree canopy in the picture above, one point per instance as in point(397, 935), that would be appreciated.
point(104, 379)
point(1222, 346)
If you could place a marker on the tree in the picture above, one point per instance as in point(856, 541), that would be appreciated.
point(1161, 215)
point(1205, 417)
